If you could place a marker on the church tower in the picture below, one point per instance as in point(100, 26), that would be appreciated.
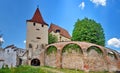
point(37, 38)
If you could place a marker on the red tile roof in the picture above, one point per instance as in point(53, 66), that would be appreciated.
point(63, 32)
point(37, 17)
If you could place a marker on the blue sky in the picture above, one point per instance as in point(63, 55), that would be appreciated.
point(14, 13)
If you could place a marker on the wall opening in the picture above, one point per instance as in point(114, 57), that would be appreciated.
point(35, 62)
point(72, 47)
point(95, 48)
point(51, 49)
point(20, 61)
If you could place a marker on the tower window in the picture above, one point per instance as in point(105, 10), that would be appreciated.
point(37, 29)
point(42, 25)
point(38, 38)
point(34, 24)
point(30, 45)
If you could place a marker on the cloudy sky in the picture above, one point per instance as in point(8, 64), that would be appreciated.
point(14, 13)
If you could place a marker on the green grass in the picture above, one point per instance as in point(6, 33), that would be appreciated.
point(31, 69)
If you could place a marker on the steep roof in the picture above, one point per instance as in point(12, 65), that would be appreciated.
point(63, 32)
point(37, 17)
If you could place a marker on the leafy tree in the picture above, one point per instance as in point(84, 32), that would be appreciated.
point(52, 39)
point(88, 30)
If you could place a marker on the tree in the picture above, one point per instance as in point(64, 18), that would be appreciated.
point(89, 31)
point(52, 39)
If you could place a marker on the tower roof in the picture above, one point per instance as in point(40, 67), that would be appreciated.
point(63, 32)
point(37, 17)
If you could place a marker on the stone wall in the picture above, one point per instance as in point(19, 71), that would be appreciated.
point(50, 60)
point(72, 61)
point(88, 60)
point(96, 61)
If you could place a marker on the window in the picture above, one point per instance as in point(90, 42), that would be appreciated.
point(34, 24)
point(7, 50)
point(37, 29)
point(57, 31)
point(42, 25)
point(38, 38)
point(30, 45)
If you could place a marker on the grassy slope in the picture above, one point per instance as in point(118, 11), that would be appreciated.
point(30, 69)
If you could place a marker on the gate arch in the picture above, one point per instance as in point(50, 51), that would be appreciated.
point(35, 62)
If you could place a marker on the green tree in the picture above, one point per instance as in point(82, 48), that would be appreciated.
point(52, 39)
point(89, 31)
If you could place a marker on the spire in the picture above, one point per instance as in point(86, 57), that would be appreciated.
point(37, 17)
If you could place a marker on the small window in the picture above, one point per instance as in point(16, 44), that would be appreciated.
point(37, 29)
point(22, 51)
point(38, 38)
point(34, 24)
point(57, 31)
point(7, 50)
point(30, 45)
point(42, 25)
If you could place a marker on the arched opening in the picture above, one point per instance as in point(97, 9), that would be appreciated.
point(72, 56)
point(95, 59)
point(35, 62)
point(95, 48)
point(50, 56)
point(112, 55)
point(51, 49)
point(70, 48)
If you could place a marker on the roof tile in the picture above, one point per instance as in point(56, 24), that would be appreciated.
point(37, 17)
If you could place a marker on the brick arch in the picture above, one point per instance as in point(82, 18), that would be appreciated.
point(96, 47)
point(50, 46)
point(72, 43)
point(83, 45)
point(114, 53)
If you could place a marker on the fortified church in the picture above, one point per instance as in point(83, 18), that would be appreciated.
point(40, 53)
point(85, 58)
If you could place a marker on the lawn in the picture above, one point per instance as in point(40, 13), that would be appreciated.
point(32, 69)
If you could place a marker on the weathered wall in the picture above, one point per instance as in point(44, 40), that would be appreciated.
point(96, 61)
point(92, 60)
point(37, 38)
point(10, 57)
point(72, 60)
point(50, 60)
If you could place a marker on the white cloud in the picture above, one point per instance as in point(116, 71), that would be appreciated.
point(99, 2)
point(114, 42)
point(1, 39)
point(24, 41)
point(82, 5)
